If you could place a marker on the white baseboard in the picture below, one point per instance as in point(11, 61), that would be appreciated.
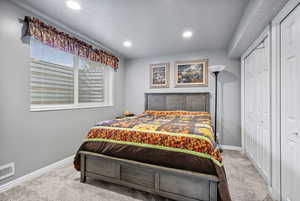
point(258, 168)
point(232, 148)
point(35, 174)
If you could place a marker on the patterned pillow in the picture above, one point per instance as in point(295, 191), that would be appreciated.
point(176, 113)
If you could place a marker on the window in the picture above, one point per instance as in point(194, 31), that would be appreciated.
point(60, 80)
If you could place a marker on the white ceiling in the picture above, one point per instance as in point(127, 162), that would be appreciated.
point(154, 26)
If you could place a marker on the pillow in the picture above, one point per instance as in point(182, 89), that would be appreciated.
point(175, 112)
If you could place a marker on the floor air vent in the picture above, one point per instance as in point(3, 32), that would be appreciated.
point(7, 170)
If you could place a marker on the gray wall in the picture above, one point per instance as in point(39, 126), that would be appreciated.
point(36, 139)
point(137, 83)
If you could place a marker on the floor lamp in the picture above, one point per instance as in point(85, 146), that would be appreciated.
point(216, 70)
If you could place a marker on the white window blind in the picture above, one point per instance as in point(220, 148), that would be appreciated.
point(91, 82)
point(51, 84)
point(60, 80)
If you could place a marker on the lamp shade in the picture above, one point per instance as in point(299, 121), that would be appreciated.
point(216, 68)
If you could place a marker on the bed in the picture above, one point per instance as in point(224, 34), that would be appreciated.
point(168, 150)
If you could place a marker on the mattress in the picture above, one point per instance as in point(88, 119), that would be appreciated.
point(176, 139)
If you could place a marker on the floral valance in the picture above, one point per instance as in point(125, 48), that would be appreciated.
point(49, 35)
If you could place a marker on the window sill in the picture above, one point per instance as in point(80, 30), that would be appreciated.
point(66, 107)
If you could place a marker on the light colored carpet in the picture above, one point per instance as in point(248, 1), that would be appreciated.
point(245, 183)
point(63, 184)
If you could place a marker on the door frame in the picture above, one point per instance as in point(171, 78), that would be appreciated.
point(263, 36)
point(276, 185)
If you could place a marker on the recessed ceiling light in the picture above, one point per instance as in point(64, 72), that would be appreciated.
point(187, 34)
point(127, 44)
point(73, 5)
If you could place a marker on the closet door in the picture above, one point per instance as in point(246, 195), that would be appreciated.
point(250, 105)
point(259, 52)
point(263, 108)
point(257, 108)
point(266, 107)
point(290, 109)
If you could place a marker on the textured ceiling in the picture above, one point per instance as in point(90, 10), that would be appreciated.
point(153, 26)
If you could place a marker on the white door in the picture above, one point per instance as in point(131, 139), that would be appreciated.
point(263, 108)
point(290, 109)
point(257, 108)
point(259, 52)
point(250, 105)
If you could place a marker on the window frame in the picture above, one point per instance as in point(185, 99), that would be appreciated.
point(108, 91)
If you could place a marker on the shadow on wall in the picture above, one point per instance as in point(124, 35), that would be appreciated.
point(224, 78)
point(227, 77)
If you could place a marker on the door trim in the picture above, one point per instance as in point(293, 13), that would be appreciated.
point(276, 190)
point(257, 42)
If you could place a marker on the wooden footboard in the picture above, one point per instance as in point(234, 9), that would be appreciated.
point(171, 183)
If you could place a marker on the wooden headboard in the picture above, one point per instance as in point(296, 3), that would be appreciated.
point(177, 101)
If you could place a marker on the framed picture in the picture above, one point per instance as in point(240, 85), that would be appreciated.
point(191, 73)
point(159, 75)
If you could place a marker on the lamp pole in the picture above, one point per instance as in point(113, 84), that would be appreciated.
point(216, 69)
point(216, 102)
